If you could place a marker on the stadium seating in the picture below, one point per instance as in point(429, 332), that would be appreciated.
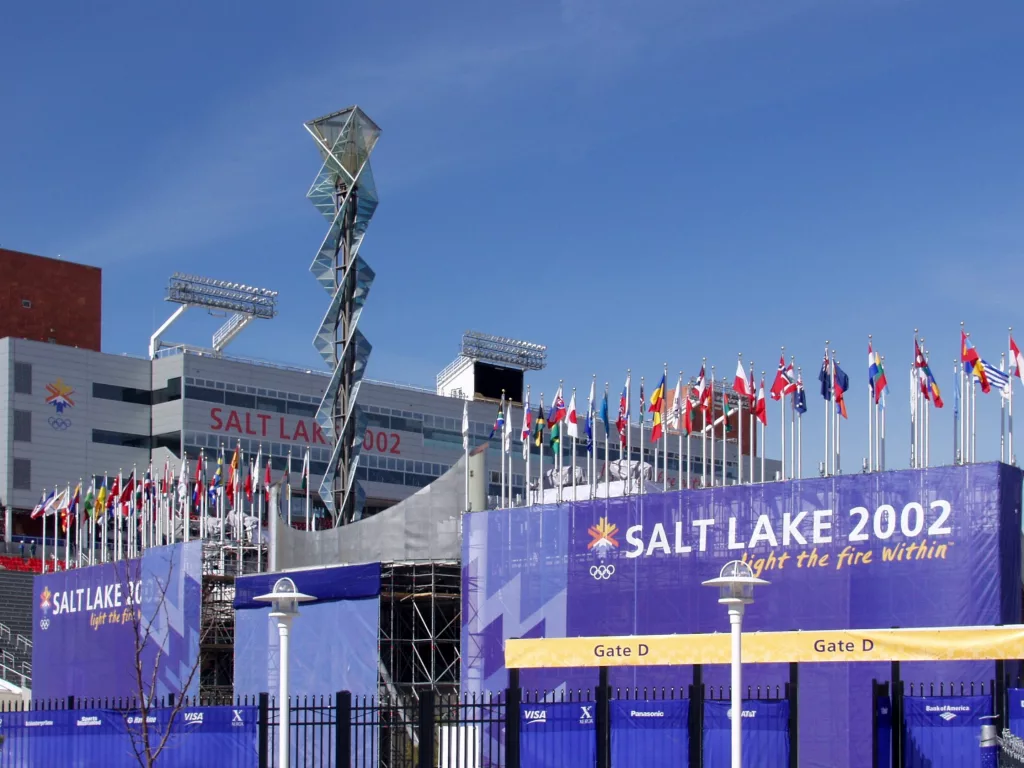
point(16, 618)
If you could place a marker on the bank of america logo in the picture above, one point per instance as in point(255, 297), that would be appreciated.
point(602, 536)
point(947, 716)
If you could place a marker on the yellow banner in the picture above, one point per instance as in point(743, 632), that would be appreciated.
point(932, 644)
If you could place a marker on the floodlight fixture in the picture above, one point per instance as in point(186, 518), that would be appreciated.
point(499, 349)
point(245, 303)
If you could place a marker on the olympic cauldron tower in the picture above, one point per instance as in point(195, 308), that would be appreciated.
point(346, 196)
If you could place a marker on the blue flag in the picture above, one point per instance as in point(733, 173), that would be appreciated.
point(825, 377)
point(604, 415)
point(800, 397)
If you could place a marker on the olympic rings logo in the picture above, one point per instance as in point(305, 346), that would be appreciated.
point(44, 623)
point(602, 572)
point(58, 423)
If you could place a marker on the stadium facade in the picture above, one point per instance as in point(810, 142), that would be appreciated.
point(70, 413)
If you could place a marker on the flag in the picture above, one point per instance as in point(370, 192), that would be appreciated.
point(465, 425)
point(101, 501)
point(785, 383)
point(675, 418)
point(197, 492)
point(800, 397)
point(305, 471)
point(929, 387)
point(555, 438)
point(692, 404)
point(741, 384)
point(557, 412)
point(876, 374)
point(643, 403)
point(590, 420)
point(841, 383)
point(499, 420)
point(527, 423)
point(658, 397)
point(267, 479)
point(622, 422)
point(248, 485)
point(506, 444)
point(726, 413)
point(604, 414)
point(44, 501)
point(539, 424)
point(573, 430)
point(761, 407)
point(229, 487)
point(1018, 360)
point(90, 502)
point(825, 377)
point(972, 362)
point(996, 378)
point(656, 430)
point(703, 392)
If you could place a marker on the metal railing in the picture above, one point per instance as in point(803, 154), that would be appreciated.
point(1011, 751)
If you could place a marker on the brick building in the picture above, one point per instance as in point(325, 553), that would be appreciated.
point(50, 300)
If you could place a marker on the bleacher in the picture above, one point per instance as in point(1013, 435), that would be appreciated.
point(16, 624)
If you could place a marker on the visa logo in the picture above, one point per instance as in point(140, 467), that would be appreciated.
point(536, 715)
point(194, 718)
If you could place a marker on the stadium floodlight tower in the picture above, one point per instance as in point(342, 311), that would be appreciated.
point(345, 194)
point(489, 365)
point(735, 583)
point(244, 303)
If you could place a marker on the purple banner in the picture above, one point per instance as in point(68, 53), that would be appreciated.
point(937, 547)
point(90, 625)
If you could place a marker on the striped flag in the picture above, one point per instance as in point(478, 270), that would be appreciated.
point(996, 378)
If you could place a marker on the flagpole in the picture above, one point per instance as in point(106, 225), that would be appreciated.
point(753, 426)
point(782, 415)
point(836, 465)
point(607, 457)
point(882, 427)
point(711, 400)
point(871, 407)
point(925, 417)
point(828, 415)
point(739, 429)
point(629, 433)
point(574, 432)
point(560, 459)
point(800, 430)
point(703, 433)
point(792, 423)
point(974, 422)
point(526, 446)
point(1002, 415)
point(762, 451)
point(1013, 361)
point(725, 429)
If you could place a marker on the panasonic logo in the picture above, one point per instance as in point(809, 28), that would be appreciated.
point(634, 713)
point(536, 715)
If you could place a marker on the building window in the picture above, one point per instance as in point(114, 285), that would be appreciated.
point(271, 404)
point(301, 409)
point(169, 393)
point(22, 480)
point(123, 439)
point(23, 378)
point(122, 394)
point(238, 400)
point(169, 440)
point(26, 304)
point(23, 426)
point(202, 393)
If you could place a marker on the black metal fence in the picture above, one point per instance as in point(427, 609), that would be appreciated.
point(440, 731)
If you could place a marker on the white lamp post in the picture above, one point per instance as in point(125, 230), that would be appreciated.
point(284, 600)
point(735, 591)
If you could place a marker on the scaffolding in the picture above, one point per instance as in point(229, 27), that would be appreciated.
point(222, 563)
point(420, 628)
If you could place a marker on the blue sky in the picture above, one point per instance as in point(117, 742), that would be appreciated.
point(628, 183)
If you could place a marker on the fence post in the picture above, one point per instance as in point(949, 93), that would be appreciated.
point(696, 718)
point(513, 696)
point(999, 707)
point(71, 702)
point(343, 729)
point(426, 729)
point(602, 720)
point(897, 716)
point(264, 730)
point(794, 714)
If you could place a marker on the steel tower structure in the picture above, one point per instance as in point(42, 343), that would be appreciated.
point(346, 196)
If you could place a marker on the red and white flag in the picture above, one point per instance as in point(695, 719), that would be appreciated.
point(742, 384)
point(785, 381)
point(573, 430)
point(1018, 360)
point(761, 408)
point(703, 391)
